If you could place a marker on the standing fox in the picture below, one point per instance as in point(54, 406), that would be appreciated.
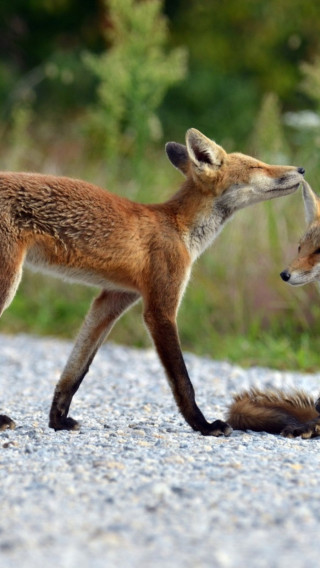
point(293, 414)
point(129, 250)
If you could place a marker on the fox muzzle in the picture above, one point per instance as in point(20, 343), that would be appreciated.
point(285, 275)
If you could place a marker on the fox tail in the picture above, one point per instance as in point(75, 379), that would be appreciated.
point(270, 411)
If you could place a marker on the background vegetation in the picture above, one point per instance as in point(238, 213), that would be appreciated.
point(94, 89)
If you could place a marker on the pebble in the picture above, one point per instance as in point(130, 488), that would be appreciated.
point(135, 487)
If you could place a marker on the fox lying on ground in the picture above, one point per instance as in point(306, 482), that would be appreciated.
point(80, 232)
point(290, 414)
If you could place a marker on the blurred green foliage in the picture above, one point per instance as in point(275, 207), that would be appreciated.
point(133, 76)
point(238, 51)
point(92, 90)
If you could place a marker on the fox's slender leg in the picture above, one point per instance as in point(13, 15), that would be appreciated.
point(105, 310)
point(11, 259)
point(164, 332)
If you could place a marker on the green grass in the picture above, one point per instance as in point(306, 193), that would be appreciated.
point(45, 306)
point(57, 309)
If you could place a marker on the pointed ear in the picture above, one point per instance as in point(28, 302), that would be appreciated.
point(178, 156)
point(311, 203)
point(203, 151)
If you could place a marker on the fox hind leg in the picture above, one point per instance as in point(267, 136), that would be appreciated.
point(10, 276)
point(104, 312)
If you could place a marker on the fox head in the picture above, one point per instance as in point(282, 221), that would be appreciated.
point(234, 180)
point(305, 267)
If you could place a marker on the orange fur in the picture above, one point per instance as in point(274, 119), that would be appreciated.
point(305, 268)
point(81, 232)
point(270, 411)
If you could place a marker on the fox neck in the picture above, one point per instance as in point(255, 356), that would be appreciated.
point(200, 216)
point(205, 230)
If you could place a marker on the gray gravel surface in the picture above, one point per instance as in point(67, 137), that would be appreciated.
point(135, 487)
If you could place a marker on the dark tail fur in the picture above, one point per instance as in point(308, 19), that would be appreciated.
point(272, 411)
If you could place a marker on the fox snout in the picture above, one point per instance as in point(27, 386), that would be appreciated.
point(301, 171)
point(285, 274)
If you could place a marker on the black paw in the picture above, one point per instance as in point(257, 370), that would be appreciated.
point(6, 423)
point(64, 423)
point(308, 430)
point(217, 428)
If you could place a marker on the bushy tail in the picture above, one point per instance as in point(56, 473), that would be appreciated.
point(270, 411)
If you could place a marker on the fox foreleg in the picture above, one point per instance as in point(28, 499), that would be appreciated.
point(6, 422)
point(164, 332)
point(104, 312)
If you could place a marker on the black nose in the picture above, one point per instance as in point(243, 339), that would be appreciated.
point(301, 171)
point(285, 275)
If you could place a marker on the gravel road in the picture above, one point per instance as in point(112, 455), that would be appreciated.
point(135, 487)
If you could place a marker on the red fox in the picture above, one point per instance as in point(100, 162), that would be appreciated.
point(81, 232)
point(290, 414)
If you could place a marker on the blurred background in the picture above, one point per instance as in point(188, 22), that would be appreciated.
point(94, 89)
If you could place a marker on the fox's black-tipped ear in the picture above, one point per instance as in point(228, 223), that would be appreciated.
point(202, 151)
point(311, 203)
point(178, 156)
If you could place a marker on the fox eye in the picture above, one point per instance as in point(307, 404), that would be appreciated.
point(299, 248)
point(317, 251)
